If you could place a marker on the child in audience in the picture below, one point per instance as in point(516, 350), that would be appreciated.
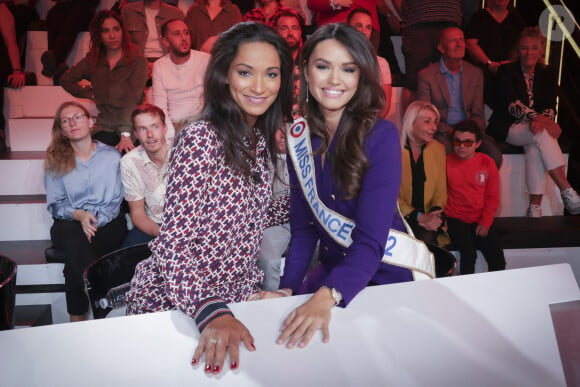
point(472, 200)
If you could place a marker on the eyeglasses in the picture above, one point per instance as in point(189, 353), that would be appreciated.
point(466, 143)
point(76, 118)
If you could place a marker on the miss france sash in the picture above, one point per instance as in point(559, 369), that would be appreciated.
point(402, 249)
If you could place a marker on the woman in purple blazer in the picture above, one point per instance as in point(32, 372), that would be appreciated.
point(357, 167)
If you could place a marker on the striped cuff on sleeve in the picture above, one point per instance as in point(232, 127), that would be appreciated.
point(208, 310)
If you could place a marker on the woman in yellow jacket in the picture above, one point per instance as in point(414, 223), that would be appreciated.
point(423, 193)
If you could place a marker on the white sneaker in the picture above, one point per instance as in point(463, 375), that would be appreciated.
point(571, 200)
point(534, 211)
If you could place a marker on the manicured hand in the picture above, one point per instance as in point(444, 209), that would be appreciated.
point(222, 336)
point(304, 321)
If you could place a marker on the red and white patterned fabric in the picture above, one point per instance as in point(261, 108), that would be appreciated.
point(213, 223)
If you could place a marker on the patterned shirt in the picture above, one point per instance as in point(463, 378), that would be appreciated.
point(143, 179)
point(213, 223)
point(526, 113)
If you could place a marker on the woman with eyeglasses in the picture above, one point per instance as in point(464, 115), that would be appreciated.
point(117, 76)
point(423, 193)
point(83, 195)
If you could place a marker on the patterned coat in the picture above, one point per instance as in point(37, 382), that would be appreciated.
point(213, 223)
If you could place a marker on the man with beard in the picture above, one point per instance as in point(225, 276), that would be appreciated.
point(289, 26)
point(178, 76)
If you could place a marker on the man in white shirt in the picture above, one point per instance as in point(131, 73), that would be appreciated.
point(144, 173)
point(178, 76)
point(360, 18)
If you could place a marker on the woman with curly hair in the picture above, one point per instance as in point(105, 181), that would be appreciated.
point(117, 76)
point(83, 195)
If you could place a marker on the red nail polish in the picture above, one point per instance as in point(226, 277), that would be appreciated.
point(253, 346)
point(216, 369)
point(234, 365)
point(194, 362)
point(208, 368)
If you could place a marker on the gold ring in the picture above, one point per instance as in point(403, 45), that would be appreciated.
point(212, 341)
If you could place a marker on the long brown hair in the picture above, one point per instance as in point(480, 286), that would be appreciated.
point(360, 114)
point(60, 156)
point(97, 48)
point(225, 114)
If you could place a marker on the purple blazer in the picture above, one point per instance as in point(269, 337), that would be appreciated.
point(350, 269)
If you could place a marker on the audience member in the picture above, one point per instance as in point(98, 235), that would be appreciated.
point(143, 21)
point(357, 166)
point(423, 193)
point(83, 195)
point(277, 237)
point(360, 18)
point(525, 117)
point(266, 12)
point(25, 16)
point(117, 76)
point(144, 172)
point(473, 198)
point(208, 18)
point(336, 11)
point(218, 199)
point(289, 26)
point(455, 87)
point(11, 72)
point(178, 76)
point(64, 21)
point(422, 23)
point(491, 37)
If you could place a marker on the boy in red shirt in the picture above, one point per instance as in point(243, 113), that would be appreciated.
point(473, 199)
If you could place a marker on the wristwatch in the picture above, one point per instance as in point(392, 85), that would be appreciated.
point(126, 134)
point(335, 295)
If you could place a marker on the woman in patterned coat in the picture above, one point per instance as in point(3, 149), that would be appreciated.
point(218, 198)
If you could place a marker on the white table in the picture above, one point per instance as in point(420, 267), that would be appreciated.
point(491, 329)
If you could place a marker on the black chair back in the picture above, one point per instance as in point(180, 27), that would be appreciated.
point(108, 278)
point(8, 271)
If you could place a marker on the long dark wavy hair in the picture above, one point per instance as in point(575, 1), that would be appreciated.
point(97, 48)
point(60, 156)
point(224, 113)
point(349, 160)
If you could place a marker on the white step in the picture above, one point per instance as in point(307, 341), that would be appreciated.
point(24, 221)
point(514, 198)
point(29, 134)
point(39, 101)
point(25, 175)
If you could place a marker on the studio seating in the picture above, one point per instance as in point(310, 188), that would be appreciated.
point(7, 292)
point(108, 278)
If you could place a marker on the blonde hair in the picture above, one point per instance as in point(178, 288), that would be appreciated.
point(413, 112)
point(534, 33)
point(60, 156)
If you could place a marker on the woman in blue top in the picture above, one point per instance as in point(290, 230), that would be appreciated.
point(83, 195)
point(357, 163)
